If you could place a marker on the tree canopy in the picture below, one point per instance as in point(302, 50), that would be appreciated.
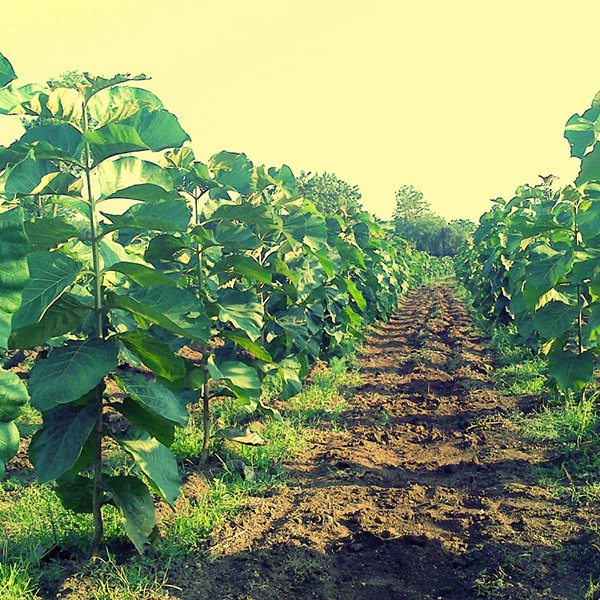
point(415, 221)
point(329, 193)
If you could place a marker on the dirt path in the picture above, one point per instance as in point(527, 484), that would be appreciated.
point(425, 492)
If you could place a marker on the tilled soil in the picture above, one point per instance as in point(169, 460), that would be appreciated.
point(425, 491)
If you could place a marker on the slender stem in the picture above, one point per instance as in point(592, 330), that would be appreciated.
point(579, 300)
point(205, 415)
point(99, 332)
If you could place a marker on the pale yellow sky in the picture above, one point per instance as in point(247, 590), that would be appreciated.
point(465, 100)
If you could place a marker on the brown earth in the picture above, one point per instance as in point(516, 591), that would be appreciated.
point(425, 492)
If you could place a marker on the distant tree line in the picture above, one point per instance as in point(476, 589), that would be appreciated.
point(416, 223)
point(413, 218)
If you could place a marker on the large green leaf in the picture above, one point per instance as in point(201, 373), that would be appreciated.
point(590, 167)
point(174, 309)
point(580, 133)
point(56, 447)
point(76, 492)
point(48, 232)
point(133, 499)
point(114, 104)
point(155, 460)
point(242, 379)
point(141, 274)
point(13, 395)
point(570, 370)
point(145, 420)
point(27, 175)
point(157, 356)
point(246, 266)
point(71, 371)
point(64, 316)
point(243, 310)
point(232, 169)
point(555, 318)
point(154, 397)
point(307, 228)
point(50, 275)
point(135, 179)
point(161, 215)
point(7, 73)
point(242, 340)
point(13, 268)
point(9, 443)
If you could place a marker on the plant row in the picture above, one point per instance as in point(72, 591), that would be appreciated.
point(535, 262)
point(147, 279)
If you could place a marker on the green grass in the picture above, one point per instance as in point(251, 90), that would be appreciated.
point(16, 583)
point(33, 521)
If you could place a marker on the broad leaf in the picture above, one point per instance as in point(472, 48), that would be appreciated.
point(133, 499)
point(50, 275)
point(13, 268)
point(64, 316)
point(174, 309)
point(7, 73)
point(145, 420)
point(157, 356)
point(154, 397)
point(570, 370)
point(56, 447)
point(243, 310)
point(155, 460)
point(240, 378)
point(13, 395)
point(71, 371)
point(9, 443)
point(48, 232)
point(160, 215)
point(136, 179)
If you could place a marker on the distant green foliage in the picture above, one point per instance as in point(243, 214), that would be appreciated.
point(329, 194)
point(415, 222)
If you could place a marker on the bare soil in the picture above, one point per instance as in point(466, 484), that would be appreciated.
point(425, 490)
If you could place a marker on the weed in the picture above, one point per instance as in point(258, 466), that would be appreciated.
point(16, 582)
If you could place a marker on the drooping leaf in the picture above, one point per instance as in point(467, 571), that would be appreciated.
point(48, 232)
point(14, 272)
point(135, 179)
point(243, 310)
point(161, 215)
point(242, 379)
point(155, 460)
point(133, 499)
point(7, 73)
point(56, 447)
point(142, 275)
point(145, 420)
point(64, 316)
point(75, 492)
point(154, 397)
point(155, 355)
point(174, 309)
point(13, 395)
point(555, 318)
point(9, 443)
point(572, 371)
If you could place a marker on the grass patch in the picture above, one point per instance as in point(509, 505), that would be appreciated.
point(33, 521)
